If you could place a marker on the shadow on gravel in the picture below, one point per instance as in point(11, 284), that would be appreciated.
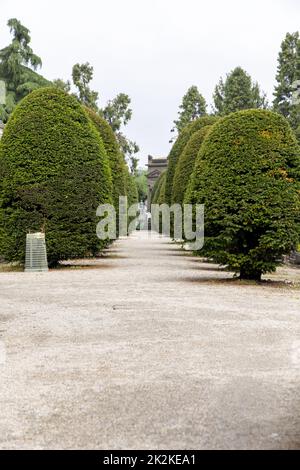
point(69, 265)
point(242, 283)
point(167, 249)
point(178, 253)
point(113, 256)
point(5, 318)
point(212, 267)
point(7, 268)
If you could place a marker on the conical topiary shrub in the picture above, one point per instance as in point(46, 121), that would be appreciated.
point(178, 148)
point(185, 164)
point(247, 175)
point(54, 174)
point(157, 187)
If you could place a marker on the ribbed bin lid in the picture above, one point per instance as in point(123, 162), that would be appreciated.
point(36, 253)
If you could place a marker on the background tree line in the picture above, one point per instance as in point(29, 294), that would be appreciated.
point(18, 69)
point(238, 91)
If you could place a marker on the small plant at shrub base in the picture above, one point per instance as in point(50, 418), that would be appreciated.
point(247, 175)
point(178, 148)
point(54, 174)
point(185, 164)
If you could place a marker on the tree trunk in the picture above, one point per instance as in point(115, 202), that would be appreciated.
point(250, 275)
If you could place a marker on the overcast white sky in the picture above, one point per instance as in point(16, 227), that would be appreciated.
point(155, 49)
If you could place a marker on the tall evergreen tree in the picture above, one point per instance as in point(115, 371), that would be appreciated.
point(288, 73)
point(192, 107)
point(238, 92)
point(17, 68)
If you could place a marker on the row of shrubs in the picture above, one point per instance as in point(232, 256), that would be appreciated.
point(245, 168)
point(58, 162)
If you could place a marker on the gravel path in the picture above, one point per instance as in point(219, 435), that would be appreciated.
point(148, 348)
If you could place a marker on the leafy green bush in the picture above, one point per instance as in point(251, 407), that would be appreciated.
point(116, 159)
point(247, 175)
point(185, 164)
point(178, 148)
point(54, 174)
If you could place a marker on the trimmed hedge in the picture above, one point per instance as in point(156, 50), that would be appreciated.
point(247, 174)
point(116, 159)
point(178, 148)
point(157, 187)
point(54, 174)
point(185, 164)
point(161, 196)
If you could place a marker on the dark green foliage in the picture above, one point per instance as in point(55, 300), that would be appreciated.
point(16, 63)
point(178, 148)
point(237, 93)
point(157, 187)
point(247, 175)
point(29, 81)
point(288, 72)
point(116, 159)
point(54, 174)
point(185, 164)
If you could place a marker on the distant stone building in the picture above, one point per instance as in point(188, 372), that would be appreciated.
point(155, 167)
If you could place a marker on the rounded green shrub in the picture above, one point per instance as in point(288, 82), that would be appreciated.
point(247, 174)
point(178, 148)
point(115, 156)
point(185, 164)
point(54, 174)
